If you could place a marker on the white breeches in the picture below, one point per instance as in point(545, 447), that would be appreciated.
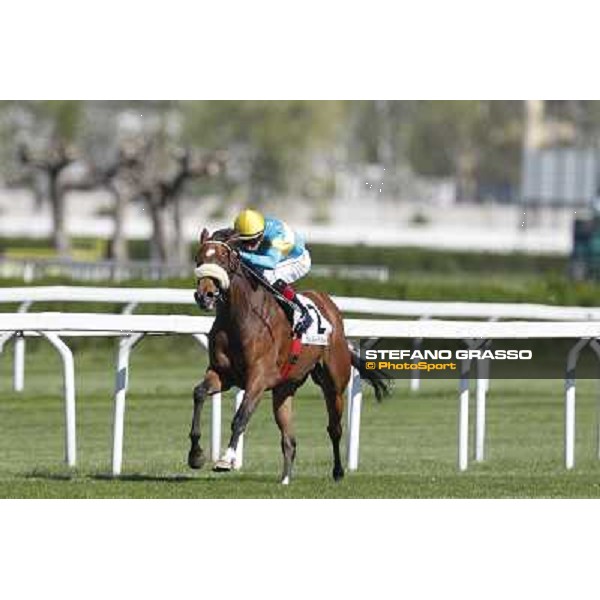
point(289, 270)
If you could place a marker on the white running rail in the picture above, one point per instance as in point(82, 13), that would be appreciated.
point(131, 328)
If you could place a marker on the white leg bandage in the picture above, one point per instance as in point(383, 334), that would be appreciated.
point(229, 455)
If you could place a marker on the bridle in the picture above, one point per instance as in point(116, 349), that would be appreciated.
point(219, 273)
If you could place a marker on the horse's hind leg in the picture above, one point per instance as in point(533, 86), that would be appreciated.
point(335, 408)
point(282, 411)
point(334, 400)
point(210, 385)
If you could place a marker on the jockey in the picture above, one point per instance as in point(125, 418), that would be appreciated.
point(278, 252)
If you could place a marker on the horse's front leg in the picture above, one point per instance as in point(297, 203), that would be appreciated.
point(211, 384)
point(252, 396)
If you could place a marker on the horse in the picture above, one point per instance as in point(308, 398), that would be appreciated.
point(249, 348)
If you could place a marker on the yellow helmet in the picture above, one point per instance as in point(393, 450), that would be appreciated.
point(249, 224)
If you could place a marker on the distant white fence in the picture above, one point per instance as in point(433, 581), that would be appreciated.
point(422, 309)
point(473, 310)
point(131, 328)
point(30, 269)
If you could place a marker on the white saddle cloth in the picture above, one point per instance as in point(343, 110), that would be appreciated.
point(320, 330)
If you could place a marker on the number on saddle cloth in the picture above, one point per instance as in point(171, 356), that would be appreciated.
point(319, 331)
point(320, 328)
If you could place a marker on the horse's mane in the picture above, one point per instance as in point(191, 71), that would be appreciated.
point(224, 235)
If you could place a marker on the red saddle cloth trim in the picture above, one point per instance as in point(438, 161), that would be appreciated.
point(295, 350)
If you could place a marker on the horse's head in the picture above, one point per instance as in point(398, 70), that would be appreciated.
point(216, 262)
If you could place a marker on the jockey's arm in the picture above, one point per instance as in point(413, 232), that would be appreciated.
point(268, 260)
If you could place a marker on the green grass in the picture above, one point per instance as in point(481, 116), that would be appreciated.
point(408, 443)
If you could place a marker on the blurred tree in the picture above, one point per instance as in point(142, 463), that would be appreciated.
point(476, 142)
point(442, 141)
point(50, 152)
point(112, 134)
point(573, 122)
point(155, 171)
point(271, 140)
point(377, 131)
point(119, 178)
point(151, 150)
point(589, 123)
point(498, 139)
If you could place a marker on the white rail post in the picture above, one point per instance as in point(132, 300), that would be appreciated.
point(19, 354)
point(570, 403)
point(122, 380)
point(483, 367)
point(129, 308)
point(354, 410)
point(415, 376)
point(69, 393)
point(354, 407)
point(19, 363)
point(239, 451)
point(216, 410)
point(463, 416)
point(487, 381)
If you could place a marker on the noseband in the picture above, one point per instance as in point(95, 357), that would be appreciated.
point(216, 271)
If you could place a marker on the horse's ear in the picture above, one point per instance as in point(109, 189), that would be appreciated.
point(204, 235)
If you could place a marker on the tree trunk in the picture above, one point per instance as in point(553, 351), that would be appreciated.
point(465, 176)
point(60, 238)
point(160, 242)
point(181, 247)
point(118, 245)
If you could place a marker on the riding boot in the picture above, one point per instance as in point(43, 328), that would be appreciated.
point(288, 292)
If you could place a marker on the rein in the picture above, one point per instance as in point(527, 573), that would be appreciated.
point(262, 281)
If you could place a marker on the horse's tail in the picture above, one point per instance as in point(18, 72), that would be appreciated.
point(380, 383)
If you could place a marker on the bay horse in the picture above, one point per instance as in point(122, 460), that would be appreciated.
point(249, 344)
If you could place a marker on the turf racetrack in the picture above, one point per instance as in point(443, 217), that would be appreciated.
point(408, 443)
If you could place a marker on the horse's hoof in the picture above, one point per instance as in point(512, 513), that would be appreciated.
point(285, 481)
point(223, 466)
point(338, 475)
point(196, 459)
